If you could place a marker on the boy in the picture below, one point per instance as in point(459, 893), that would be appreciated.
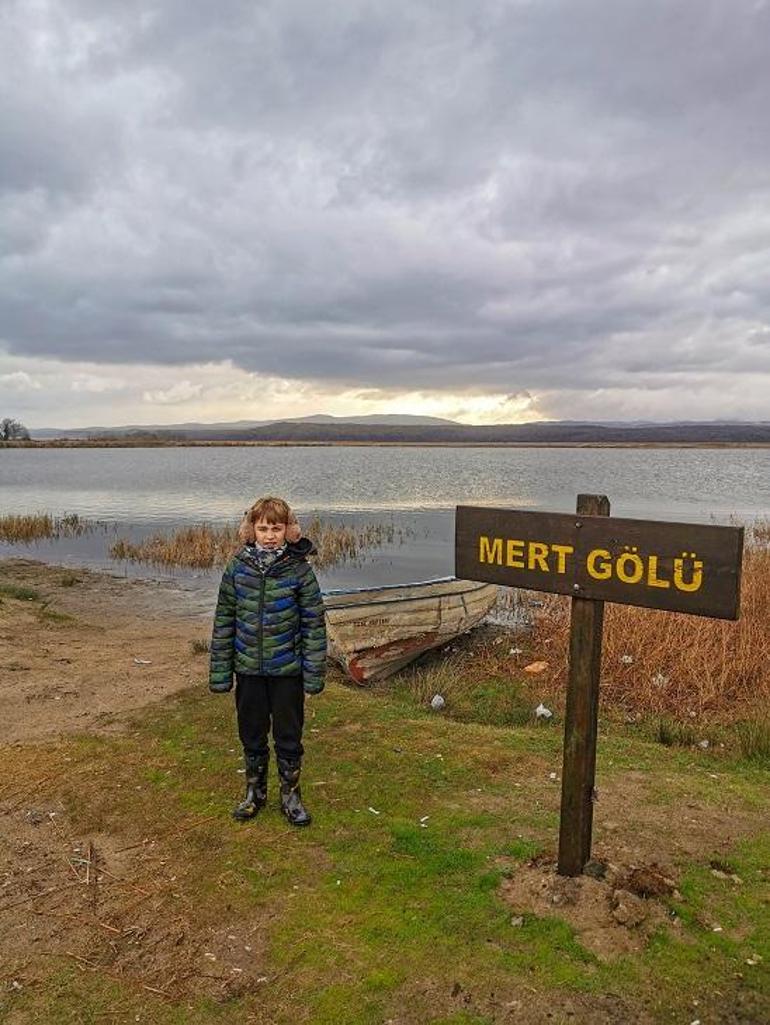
point(269, 630)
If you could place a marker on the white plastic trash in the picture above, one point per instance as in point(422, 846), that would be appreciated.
point(541, 712)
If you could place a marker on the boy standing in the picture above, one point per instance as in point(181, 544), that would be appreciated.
point(269, 630)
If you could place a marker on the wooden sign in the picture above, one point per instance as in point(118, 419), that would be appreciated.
point(594, 558)
point(681, 567)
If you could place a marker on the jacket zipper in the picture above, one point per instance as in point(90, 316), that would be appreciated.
point(262, 585)
point(261, 617)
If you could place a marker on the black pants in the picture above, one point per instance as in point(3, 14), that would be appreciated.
point(260, 699)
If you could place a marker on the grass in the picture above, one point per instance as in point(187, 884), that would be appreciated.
point(20, 593)
point(671, 733)
point(759, 531)
point(658, 666)
point(338, 543)
point(205, 546)
point(197, 547)
point(22, 529)
point(754, 740)
point(366, 916)
point(28, 594)
point(473, 691)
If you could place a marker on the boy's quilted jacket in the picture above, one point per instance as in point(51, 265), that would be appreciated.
point(271, 623)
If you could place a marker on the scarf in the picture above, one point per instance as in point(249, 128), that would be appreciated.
point(265, 557)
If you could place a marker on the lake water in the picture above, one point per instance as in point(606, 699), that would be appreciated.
point(137, 491)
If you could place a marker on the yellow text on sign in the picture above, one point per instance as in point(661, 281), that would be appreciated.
point(629, 567)
point(533, 555)
point(632, 568)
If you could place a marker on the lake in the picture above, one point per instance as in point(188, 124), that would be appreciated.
point(133, 492)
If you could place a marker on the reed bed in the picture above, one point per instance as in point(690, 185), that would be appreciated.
point(205, 546)
point(337, 543)
point(669, 664)
point(674, 672)
point(23, 529)
point(198, 547)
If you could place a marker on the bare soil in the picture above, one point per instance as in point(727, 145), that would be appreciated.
point(122, 910)
point(102, 647)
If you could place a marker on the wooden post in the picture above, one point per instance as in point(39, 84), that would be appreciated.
point(579, 766)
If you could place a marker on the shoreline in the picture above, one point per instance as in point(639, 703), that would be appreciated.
point(75, 443)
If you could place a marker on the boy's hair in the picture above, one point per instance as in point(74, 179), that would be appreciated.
point(271, 510)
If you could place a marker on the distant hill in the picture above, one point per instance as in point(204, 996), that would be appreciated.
point(431, 431)
point(191, 430)
point(552, 432)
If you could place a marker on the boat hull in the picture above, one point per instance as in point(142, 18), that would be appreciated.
point(375, 632)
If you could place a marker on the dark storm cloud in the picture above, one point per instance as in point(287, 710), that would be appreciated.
point(495, 195)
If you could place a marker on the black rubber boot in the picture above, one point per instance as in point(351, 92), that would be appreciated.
point(291, 797)
point(256, 788)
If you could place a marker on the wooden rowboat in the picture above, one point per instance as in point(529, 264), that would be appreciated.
point(373, 632)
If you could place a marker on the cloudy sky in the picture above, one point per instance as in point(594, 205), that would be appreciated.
point(491, 210)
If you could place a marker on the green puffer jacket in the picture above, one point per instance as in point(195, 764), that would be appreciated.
point(269, 624)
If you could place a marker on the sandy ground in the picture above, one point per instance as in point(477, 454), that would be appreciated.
point(103, 646)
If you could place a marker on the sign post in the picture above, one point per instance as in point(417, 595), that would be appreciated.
point(581, 721)
point(592, 557)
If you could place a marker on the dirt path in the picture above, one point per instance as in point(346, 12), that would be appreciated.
point(92, 648)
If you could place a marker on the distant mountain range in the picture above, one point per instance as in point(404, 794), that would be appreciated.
point(426, 430)
point(196, 429)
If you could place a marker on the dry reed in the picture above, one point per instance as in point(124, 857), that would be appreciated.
point(338, 543)
point(205, 546)
point(22, 529)
point(759, 531)
point(198, 547)
point(670, 664)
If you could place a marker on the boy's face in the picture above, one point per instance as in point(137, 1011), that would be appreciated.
point(269, 535)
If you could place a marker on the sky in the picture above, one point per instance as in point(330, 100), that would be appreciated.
point(488, 210)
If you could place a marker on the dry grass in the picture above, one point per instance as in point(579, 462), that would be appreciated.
point(205, 546)
point(41, 526)
point(199, 547)
point(338, 543)
point(668, 664)
point(679, 671)
point(759, 531)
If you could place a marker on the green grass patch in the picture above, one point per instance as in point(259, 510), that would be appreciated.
point(493, 699)
point(392, 896)
point(754, 740)
point(725, 936)
point(676, 734)
point(522, 849)
point(20, 593)
point(48, 615)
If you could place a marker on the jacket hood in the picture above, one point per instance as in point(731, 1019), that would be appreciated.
point(301, 548)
